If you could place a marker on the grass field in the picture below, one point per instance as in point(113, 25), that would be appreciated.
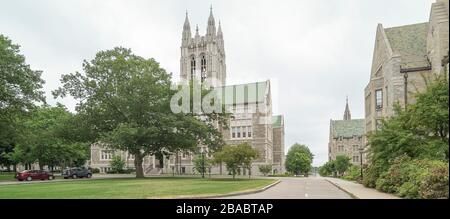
point(166, 187)
point(7, 177)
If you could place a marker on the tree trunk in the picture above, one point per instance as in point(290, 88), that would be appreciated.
point(138, 165)
point(220, 168)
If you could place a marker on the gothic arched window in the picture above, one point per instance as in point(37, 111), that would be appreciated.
point(203, 67)
point(192, 67)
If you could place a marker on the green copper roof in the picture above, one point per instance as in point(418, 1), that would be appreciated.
point(410, 41)
point(277, 121)
point(347, 128)
point(243, 93)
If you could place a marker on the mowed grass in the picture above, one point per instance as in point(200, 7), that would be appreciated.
point(130, 188)
point(7, 177)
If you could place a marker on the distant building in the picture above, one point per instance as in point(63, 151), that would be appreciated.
point(346, 138)
point(203, 57)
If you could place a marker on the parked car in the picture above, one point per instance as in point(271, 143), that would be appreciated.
point(76, 173)
point(29, 175)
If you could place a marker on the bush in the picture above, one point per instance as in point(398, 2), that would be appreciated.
point(117, 164)
point(415, 179)
point(372, 173)
point(265, 169)
point(95, 170)
point(353, 173)
point(435, 185)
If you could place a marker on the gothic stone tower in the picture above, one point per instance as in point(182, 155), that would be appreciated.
point(203, 57)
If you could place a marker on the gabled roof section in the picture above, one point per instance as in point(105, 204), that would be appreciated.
point(347, 128)
point(410, 42)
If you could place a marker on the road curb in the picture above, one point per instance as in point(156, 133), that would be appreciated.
point(342, 189)
point(226, 195)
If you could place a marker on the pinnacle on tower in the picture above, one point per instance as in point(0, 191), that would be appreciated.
point(219, 31)
point(347, 115)
point(186, 29)
point(211, 30)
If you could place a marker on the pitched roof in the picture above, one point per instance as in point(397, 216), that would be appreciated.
point(277, 121)
point(244, 93)
point(347, 128)
point(410, 41)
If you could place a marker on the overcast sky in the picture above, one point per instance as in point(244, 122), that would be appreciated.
point(315, 52)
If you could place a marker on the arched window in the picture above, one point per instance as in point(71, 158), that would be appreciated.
point(192, 67)
point(203, 67)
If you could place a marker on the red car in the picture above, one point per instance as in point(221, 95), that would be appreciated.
point(29, 175)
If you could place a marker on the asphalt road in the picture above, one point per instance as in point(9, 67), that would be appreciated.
point(298, 188)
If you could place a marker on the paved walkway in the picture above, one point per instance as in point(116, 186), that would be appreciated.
point(359, 191)
point(298, 188)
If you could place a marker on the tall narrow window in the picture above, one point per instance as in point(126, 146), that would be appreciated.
point(379, 98)
point(233, 132)
point(244, 132)
point(238, 132)
point(249, 131)
point(203, 68)
point(192, 67)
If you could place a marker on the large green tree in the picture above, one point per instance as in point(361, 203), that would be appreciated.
point(19, 92)
point(299, 159)
point(44, 139)
point(125, 99)
point(237, 157)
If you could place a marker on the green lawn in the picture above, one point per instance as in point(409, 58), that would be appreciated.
point(7, 176)
point(164, 187)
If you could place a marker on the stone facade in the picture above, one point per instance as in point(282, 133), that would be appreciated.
point(250, 104)
point(347, 138)
point(404, 57)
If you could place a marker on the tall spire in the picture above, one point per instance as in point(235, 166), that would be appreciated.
point(196, 32)
point(219, 31)
point(211, 30)
point(347, 115)
point(186, 30)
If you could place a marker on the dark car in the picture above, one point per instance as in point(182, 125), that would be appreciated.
point(77, 173)
point(29, 175)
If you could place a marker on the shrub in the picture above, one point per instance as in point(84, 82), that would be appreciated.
point(415, 178)
point(265, 169)
point(435, 185)
point(95, 170)
point(117, 164)
point(372, 173)
point(353, 173)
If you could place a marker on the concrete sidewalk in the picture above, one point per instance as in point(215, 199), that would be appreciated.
point(358, 190)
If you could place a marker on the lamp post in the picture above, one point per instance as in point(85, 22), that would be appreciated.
point(361, 151)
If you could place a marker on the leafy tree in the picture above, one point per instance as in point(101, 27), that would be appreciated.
point(19, 92)
point(117, 164)
point(125, 101)
point(419, 132)
point(265, 169)
point(237, 156)
point(327, 169)
point(202, 164)
point(43, 139)
point(299, 159)
point(342, 163)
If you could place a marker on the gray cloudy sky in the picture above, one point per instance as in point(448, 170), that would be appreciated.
point(315, 51)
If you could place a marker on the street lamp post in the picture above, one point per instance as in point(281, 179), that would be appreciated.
point(361, 151)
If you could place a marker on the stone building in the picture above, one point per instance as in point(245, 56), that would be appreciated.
point(404, 58)
point(346, 138)
point(203, 57)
